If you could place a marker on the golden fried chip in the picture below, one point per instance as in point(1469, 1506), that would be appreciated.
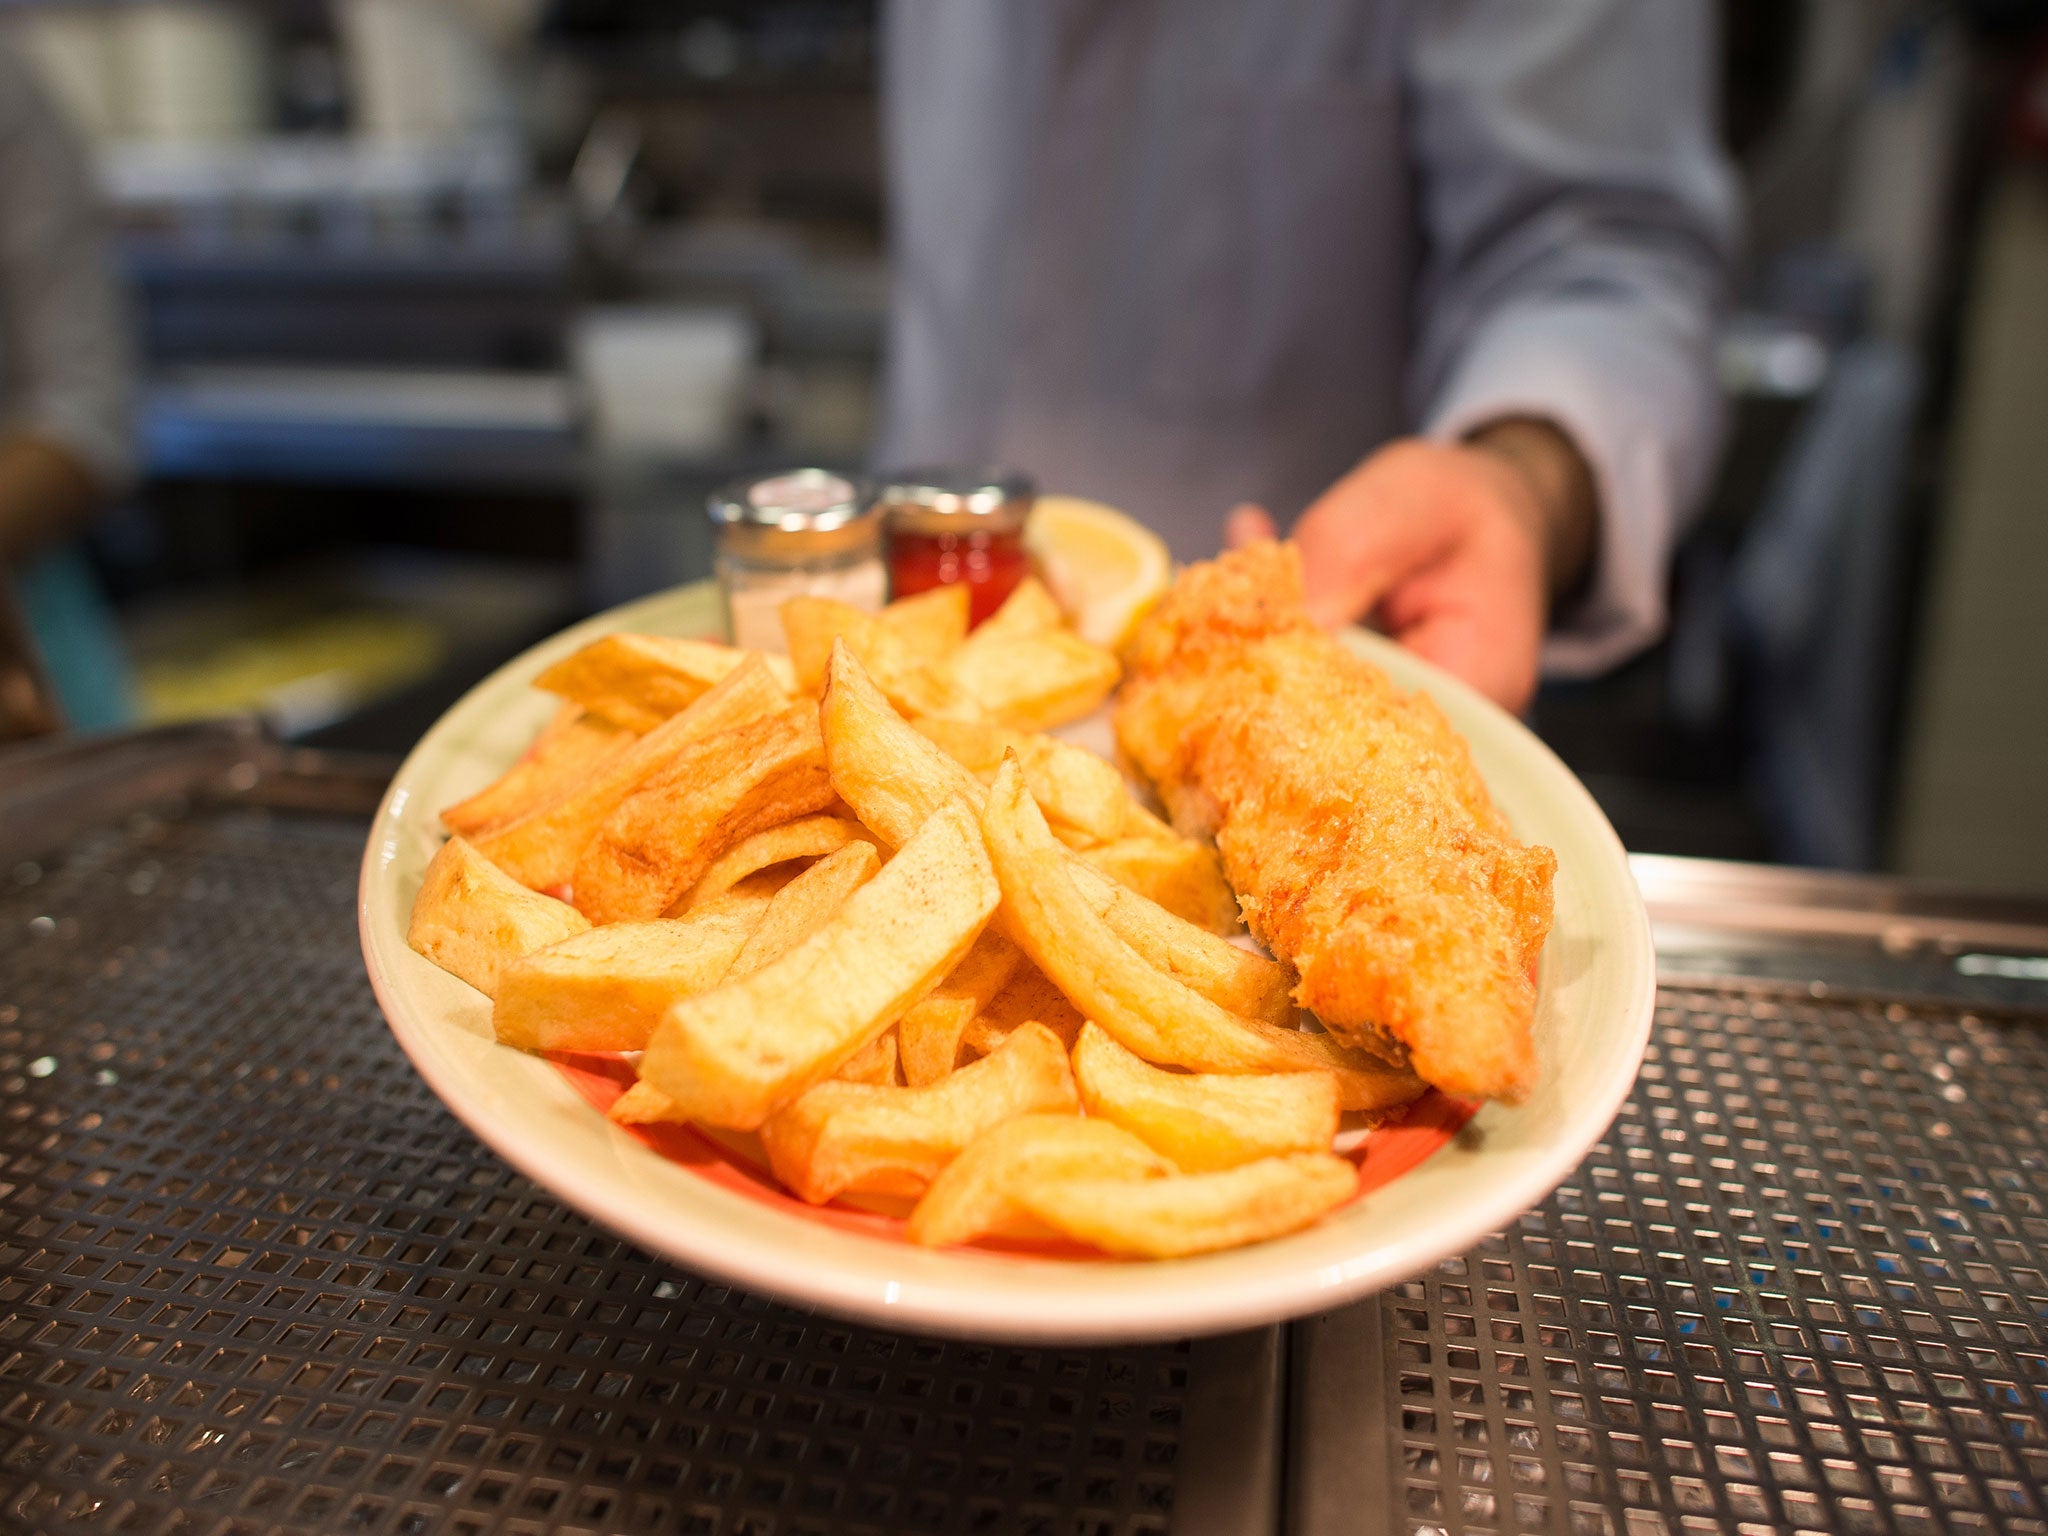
point(642, 1104)
point(541, 847)
point(1193, 1212)
point(1233, 979)
point(930, 1032)
point(1205, 1120)
point(569, 747)
point(874, 1063)
point(1029, 997)
point(891, 776)
point(1183, 876)
point(930, 1037)
point(930, 624)
point(716, 791)
point(1029, 610)
point(606, 989)
point(972, 1195)
point(894, 777)
point(806, 904)
point(1146, 1010)
point(814, 625)
point(850, 1136)
point(807, 837)
point(638, 681)
point(734, 1055)
point(1076, 789)
point(472, 919)
point(1033, 683)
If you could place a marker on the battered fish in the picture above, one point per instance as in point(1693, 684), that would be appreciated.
point(1361, 841)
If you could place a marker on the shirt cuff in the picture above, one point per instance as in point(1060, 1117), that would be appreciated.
point(1642, 409)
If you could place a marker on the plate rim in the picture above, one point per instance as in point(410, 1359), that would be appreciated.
point(959, 1308)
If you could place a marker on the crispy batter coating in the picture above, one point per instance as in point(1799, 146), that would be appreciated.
point(1360, 839)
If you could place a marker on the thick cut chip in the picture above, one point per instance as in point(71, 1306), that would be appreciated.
point(807, 837)
point(1075, 788)
point(930, 1037)
point(813, 625)
point(973, 1196)
point(850, 1136)
point(717, 790)
point(1205, 1120)
point(642, 1104)
point(1033, 683)
point(1029, 997)
point(806, 904)
point(931, 624)
point(1193, 1212)
point(1146, 1010)
point(1233, 979)
point(874, 1063)
point(606, 989)
point(638, 681)
point(733, 1056)
point(781, 921)
point(568, 747)
point(1029, 610)
point(891, 776)
point(540, 848)
point(894, 777)
point(1183, 876)
point(931, 1031)
point(472, 919)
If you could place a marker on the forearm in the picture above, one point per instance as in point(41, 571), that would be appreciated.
point(46, 496)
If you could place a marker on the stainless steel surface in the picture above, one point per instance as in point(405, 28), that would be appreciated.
point(1802, 1283)
point(1824, 904)
point(55, 789)
point(1845, 935)
point(253, 1278)
point(1228, 1477)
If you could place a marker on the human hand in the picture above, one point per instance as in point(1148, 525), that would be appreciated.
point(1456, 550)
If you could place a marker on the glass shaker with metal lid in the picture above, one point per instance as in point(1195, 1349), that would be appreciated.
point(801, 531)
point(964, 526)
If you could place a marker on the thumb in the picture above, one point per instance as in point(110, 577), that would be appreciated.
point(1247, 524)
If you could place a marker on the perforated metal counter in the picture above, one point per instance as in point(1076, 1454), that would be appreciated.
point(254, 1279)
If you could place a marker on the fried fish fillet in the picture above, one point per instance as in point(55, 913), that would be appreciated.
point(1360, 839)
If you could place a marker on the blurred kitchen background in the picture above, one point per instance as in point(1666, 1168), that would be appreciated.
point(453, 310)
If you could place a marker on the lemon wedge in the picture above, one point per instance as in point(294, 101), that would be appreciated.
point(1105, 567)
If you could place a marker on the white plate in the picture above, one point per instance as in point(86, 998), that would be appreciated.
point(1597, 984)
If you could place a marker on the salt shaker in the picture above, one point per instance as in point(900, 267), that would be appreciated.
point(802, 531)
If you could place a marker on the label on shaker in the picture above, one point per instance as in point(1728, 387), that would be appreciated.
point(755, 598)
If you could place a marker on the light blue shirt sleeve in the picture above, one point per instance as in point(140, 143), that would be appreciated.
point(1580, 219)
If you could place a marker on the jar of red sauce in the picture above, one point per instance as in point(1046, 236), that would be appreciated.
point(962, 527)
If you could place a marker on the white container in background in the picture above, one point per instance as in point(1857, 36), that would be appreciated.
point(76, 53)
point(665, 380)
point(195, 71)
point(425, 69)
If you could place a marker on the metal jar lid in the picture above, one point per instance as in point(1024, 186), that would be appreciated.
point(955, 500)
point(796, 516)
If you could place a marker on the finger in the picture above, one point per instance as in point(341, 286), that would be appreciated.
point(1247, 524)
point(1490, 636)
point(1464, 648)
point(1365, 535)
